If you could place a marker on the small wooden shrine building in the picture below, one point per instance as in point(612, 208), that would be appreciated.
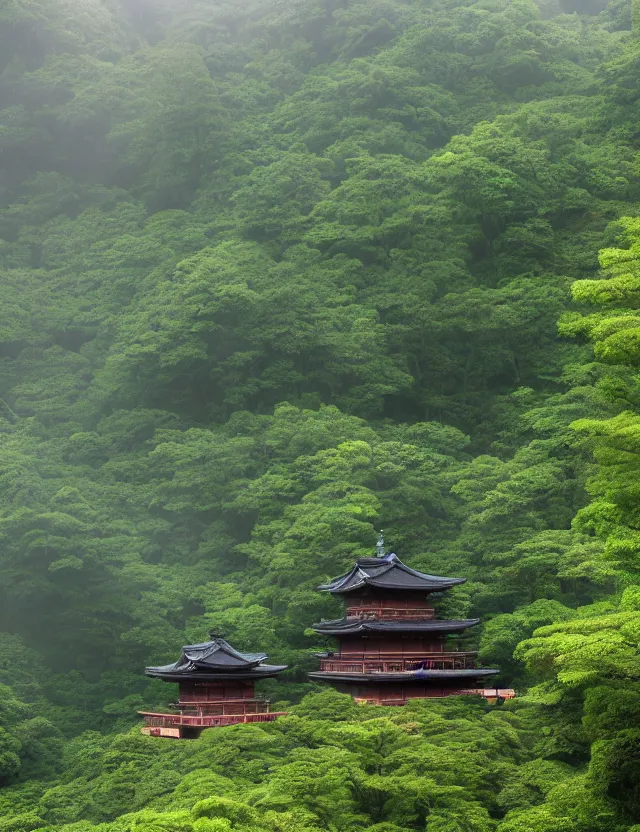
point(216, 687)
point(392, 648)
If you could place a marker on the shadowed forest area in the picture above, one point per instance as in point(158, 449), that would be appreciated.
point(277, 274)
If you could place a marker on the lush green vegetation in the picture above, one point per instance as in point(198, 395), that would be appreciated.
point(275, 275)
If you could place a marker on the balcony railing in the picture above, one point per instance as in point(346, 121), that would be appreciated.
point(221, 708)
point(186, 700)
point(399, 664)
point(154, 720)
point(373, 613)
point(392, 655)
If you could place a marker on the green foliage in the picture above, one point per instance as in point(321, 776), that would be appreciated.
point(276, 275)
point(310, 770)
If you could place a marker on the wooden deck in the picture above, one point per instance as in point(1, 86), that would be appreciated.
point(174, 725)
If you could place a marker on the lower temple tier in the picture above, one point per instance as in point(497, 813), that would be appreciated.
point(190, 726)
point(198, 711)
point(398, 688)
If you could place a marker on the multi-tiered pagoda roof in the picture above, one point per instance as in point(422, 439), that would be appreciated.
point(392, 648)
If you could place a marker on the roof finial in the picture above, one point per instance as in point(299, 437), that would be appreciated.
point(380, 546)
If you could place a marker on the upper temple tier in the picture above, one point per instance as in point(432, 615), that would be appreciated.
point(387, 572)
point(214, 660)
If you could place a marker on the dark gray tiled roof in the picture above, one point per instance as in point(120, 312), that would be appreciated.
point(387, 572)
point(215, 659)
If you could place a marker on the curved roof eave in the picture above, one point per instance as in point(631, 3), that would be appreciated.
point(260, 672)
point(378, 573)
point(343, 626)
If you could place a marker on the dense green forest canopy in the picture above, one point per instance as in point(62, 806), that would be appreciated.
point(276, 274)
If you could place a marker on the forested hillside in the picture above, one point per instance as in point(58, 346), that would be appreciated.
point(277, 274)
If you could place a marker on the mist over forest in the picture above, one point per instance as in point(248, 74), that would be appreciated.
point(277, 274)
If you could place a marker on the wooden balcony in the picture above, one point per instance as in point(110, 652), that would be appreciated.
point(398, 664)
point(226, 707)
point(177, 721)
point(381, 613)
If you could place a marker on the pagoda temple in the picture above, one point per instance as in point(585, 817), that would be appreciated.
point(216, 687)
point(392, 648)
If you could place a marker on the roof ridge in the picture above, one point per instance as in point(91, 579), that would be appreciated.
point(418, 574)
